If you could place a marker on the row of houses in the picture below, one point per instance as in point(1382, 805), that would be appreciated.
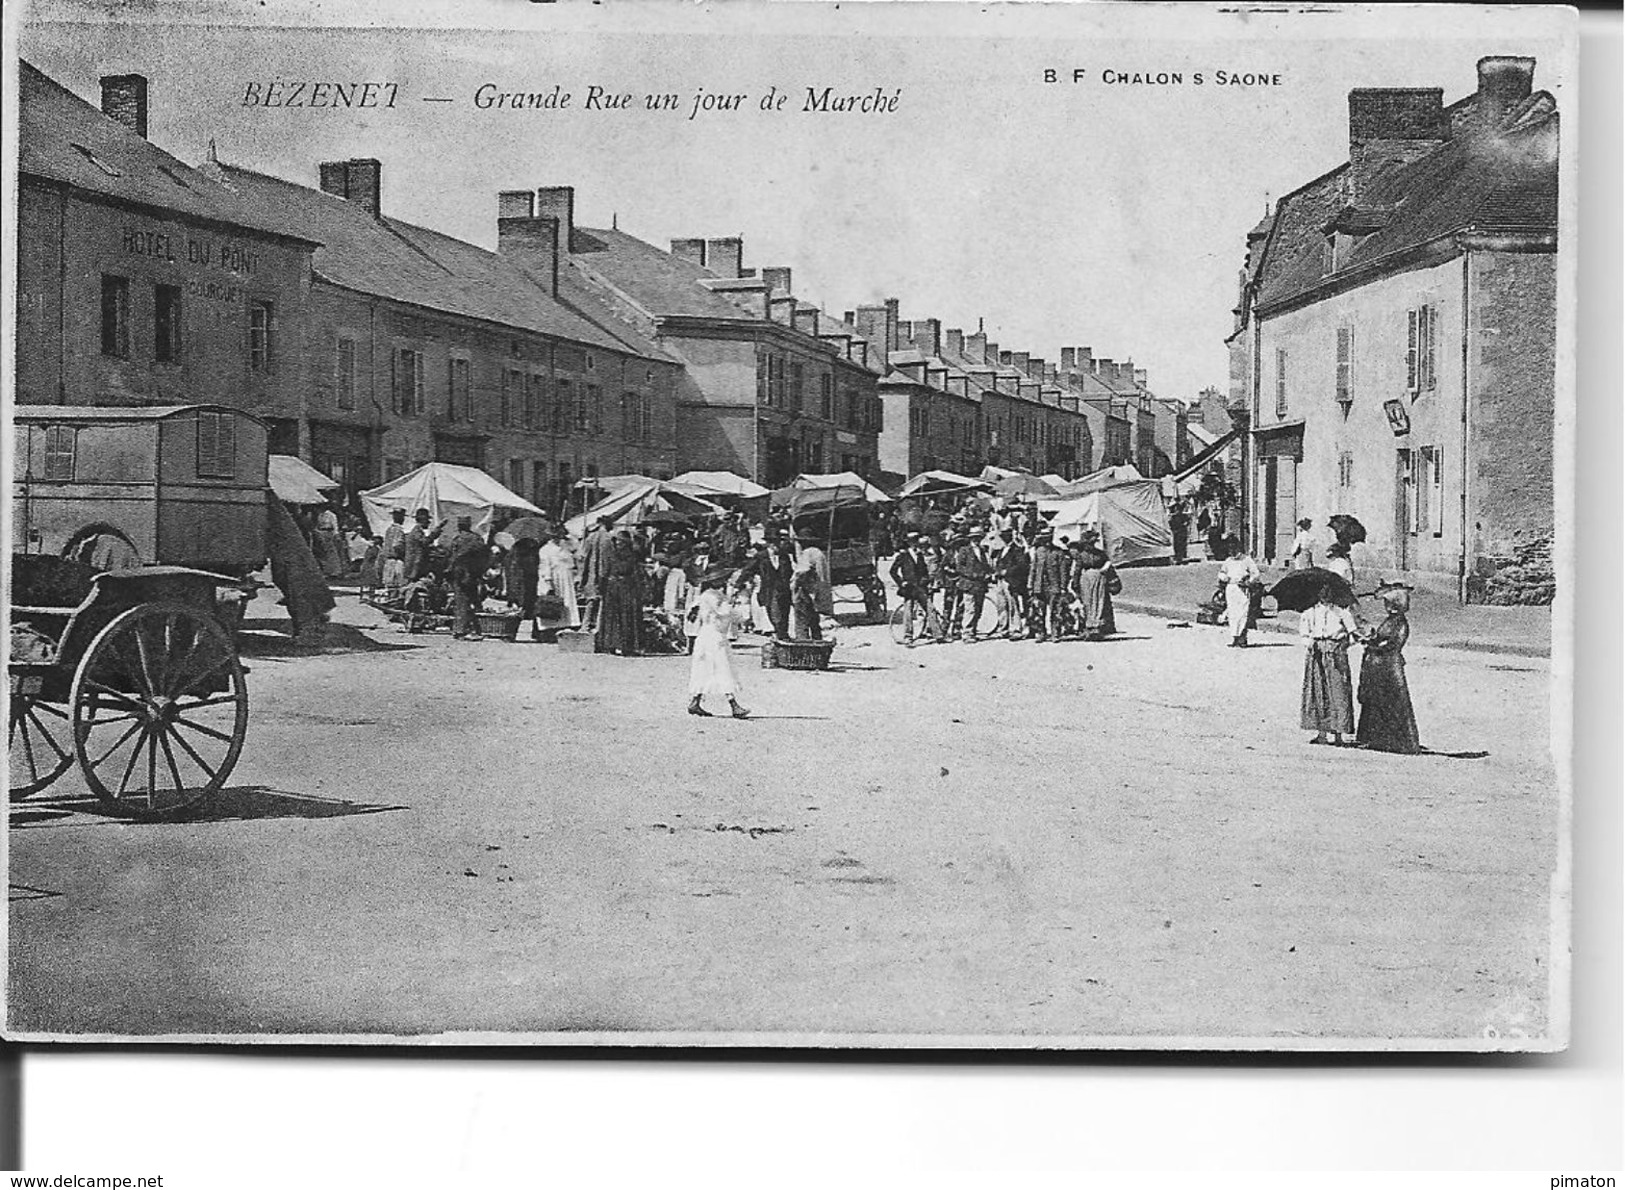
point(1394, 349)
point(371, 345)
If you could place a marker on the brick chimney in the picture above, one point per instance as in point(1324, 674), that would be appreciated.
point(955, 339)
point(777, 277)
point(1036, 367)
point(976, 347)
point(692, 251)
point(360, 180)
point(1107, 370)
point(1069, 358)
point(1019, 359)
point(124, 98)
point(1086, 359)
point(1139, 378)
point(994, 355)
point(806, 320)
point(725, 256)
point(1503, 83)
point(1389, 127)
point(873, 323)
point(927, 336)
point(528, 240)
point(559, 203)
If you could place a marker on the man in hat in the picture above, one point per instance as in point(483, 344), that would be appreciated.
point(469, 558)
point(1046, 579)
point(393, 551)
point(593, 551)
point(911, 572)
point(419, 542)
point(774, 565)
point(972, 573)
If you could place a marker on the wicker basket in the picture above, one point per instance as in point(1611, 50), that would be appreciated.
point(503, 625)
point(797, 654)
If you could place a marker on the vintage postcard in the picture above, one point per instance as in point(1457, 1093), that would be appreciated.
point(909, 525)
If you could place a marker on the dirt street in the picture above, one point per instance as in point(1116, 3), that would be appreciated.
point(1128, 839)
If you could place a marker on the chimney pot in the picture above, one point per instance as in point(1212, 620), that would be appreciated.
point(124, 98)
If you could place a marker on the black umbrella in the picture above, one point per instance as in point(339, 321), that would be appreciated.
point(1300, 590)
point(536, 528)
point(1348, 529)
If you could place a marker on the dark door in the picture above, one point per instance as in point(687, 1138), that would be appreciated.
point(1271, 479)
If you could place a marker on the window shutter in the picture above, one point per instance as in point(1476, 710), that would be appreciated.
point(395, 381)
point(1433, 345)
point(1410, 351)
point(419, 404)
point(1438, 492)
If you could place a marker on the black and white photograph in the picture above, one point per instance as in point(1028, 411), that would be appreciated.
point(887, 526)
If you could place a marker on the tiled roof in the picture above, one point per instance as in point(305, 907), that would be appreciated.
point(403, 262)
point(1502, 179)
point(652, 277)
point(63, 138)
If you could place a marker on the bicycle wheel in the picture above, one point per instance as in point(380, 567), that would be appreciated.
point(898, 623)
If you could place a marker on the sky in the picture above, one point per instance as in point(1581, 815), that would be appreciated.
point(1109, 215)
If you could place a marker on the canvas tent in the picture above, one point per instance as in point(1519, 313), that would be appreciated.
point(296, 482)
point(448, 491)
point(719, 483)
point(1130, 517)
point(636, 503)
point(937, 483)
point(1096, 481)
point(841, 479)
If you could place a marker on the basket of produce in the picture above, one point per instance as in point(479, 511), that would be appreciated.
point(503, 625)
point(797, 654)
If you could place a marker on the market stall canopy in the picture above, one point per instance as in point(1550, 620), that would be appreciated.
point(612, 483)
point(1130, 518)
point(721, 483)
point(650, 501)
point(936, 483)
point(993, 474)
point(447, 490)
point(840, 479)
point(1023, 485)
point(296, 482)
point(1106, 477)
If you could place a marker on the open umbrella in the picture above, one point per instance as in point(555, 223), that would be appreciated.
point(535, 528)
point(1300, 590)
point(1348, 529)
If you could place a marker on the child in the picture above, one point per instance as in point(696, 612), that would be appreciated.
point(1328, 692)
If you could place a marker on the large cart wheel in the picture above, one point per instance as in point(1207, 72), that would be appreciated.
point(160, 709)
point(38, 740)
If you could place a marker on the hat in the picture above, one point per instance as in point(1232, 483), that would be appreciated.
point(1393, 585)
point(465, 522)
point(398, 514)
point(422, 512)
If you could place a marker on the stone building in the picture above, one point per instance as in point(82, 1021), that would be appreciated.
point(423, 347)
point(1403, 322)
point(140, 281)
point(770, 386)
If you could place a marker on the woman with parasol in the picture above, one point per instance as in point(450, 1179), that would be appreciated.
point(1328, 693)
point(711, 669)
point(1387, 720)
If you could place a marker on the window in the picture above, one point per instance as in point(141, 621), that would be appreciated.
point(763, 373)
point(1427, 510)
point(513, 395)
point(1345, 469)
point(459, 390)
point(1280, 382)
point(646, 428)
point(1436, 497)
point(60, 445)
point(595, 408)
point(540, 417)
point(629, 417)
point(826, 397)
point(166, 323)
point(797, 376)
point(216, 446)
point(775, 381)
point(407, 383)
point(516, 475)
point(116, 316)
point(1422, 333)
point(583, 408)
point(344, 374)
point(259, 336)
point(563, 407)
point(1345, 366)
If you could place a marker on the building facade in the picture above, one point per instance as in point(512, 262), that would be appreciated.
point(1404, 334)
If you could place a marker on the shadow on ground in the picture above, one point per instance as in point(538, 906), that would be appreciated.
point(269, 639)
point(235, 803)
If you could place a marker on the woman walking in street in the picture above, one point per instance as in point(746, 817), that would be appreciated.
point(711, 669)
point(1387, 720)
point(1239, 576)
point(1328, 692)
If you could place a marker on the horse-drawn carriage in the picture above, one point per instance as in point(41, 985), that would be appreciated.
point(134, 529)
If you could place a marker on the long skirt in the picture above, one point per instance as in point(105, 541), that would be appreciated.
point(711, 669)
point(1095, 603)
point(620, 617)
point(1387, 720)
point(1328, 691)
point(1237, 607)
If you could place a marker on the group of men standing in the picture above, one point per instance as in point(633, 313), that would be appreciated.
point(1039, 589)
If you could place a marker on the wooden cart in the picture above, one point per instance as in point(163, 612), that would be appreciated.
point(131, 675)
